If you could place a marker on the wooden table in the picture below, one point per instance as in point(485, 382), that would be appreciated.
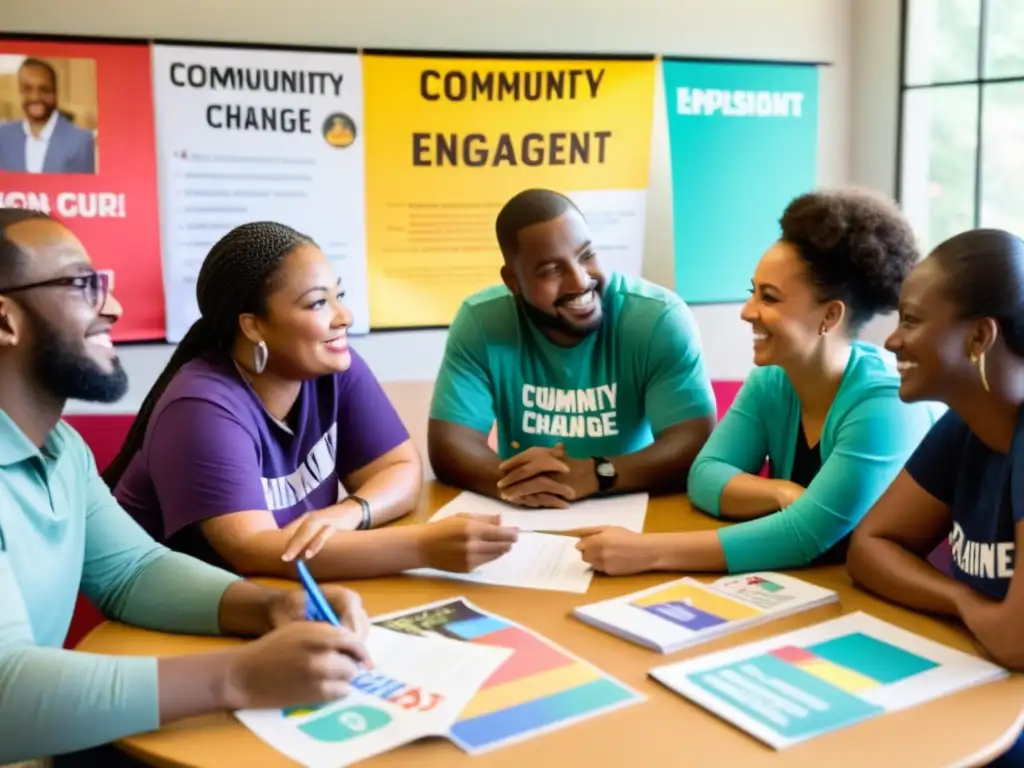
point(968, 728)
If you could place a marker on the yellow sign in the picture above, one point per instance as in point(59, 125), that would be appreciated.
point(450, 140)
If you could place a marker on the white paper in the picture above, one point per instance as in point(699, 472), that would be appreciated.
point(417, 688)
point(536, 561)
point(242, 136)
point(627, 511)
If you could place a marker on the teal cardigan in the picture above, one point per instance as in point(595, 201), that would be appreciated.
point(868, 435)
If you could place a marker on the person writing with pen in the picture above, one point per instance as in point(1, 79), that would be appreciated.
point(61, 531)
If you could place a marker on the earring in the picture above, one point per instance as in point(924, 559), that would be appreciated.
point(260, 354)
point(823, 330)
point(979, 361)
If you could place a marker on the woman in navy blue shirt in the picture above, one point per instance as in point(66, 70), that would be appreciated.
point(960, 341)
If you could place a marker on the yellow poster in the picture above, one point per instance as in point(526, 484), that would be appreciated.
point(450, 140)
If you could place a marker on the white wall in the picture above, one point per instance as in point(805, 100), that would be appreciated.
point(857, 36)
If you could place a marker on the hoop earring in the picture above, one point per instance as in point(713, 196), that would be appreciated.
point(979, 362)
point(260, 354)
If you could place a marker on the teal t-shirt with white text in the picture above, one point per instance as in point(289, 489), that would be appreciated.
point(641, 372)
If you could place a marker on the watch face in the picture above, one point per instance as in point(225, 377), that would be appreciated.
point(605, 469)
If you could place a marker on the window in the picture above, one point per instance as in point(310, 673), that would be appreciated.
point(961, 159)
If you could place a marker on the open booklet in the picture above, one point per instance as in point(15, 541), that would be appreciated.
point(541, 688)
point(685, 612)
point(417, 687)
point(798, 685)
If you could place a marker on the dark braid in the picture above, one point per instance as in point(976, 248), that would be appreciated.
point(235, 279)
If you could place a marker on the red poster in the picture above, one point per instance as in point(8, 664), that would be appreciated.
point(77, 140)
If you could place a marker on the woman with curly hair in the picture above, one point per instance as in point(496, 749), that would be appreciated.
point(822, 408)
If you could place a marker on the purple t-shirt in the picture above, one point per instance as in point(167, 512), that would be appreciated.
point(211, 449)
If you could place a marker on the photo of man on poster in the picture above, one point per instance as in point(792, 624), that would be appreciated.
point(38, 131)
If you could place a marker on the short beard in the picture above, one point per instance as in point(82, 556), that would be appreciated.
point(544, 320)
point(67, 374)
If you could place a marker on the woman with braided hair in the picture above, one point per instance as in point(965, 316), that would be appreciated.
point(263, 411)
point(62, 534)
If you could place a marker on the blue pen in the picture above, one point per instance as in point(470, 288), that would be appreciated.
point(317, 607)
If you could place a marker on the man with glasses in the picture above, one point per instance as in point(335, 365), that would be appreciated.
point(85, 368)
point(61, 530)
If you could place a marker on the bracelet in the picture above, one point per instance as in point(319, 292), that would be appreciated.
point(365, 505)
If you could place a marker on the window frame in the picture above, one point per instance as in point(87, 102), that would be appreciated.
point(980, 81)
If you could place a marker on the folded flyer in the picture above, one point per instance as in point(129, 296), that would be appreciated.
point(685, 612)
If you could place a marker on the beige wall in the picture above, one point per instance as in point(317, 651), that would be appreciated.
point(412, 401)
point(857, 135)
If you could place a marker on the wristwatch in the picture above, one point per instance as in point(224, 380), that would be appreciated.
point(606, 474)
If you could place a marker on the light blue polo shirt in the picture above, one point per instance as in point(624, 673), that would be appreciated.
point(868, 434)
point(61, 530)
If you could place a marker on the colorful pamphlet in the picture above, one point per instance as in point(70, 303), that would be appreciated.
point(793, 687)
point(416, 688)
point(685, 612)
point(539, 688)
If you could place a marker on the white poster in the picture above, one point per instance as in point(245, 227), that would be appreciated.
point(249, 134)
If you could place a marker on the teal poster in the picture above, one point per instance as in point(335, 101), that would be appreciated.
point(744, 142)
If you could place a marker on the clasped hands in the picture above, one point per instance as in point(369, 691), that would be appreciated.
point(546, 478)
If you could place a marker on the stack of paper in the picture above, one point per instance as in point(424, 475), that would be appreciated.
point(417, 688)
point(686, 612)
point(626, 511)
point(536, 561)
point(802, 684)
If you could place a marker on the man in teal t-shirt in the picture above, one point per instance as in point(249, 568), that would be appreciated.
point(597, 382)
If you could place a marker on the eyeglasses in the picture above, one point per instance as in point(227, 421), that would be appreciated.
point(95, 286)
